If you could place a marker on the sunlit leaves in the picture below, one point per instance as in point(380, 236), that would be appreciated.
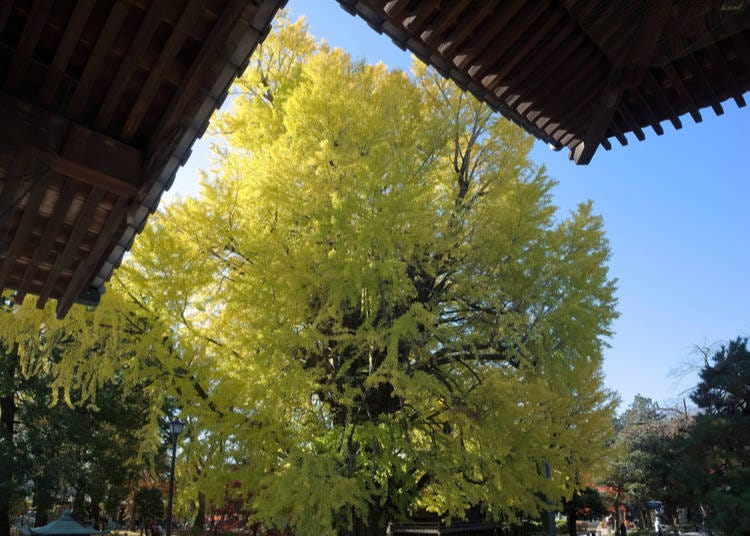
point(373, 307)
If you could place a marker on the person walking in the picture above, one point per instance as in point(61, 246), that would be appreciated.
point(657, 526)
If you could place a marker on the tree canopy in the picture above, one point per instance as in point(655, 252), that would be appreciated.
point(372, 309)
point(717, 450)
point(383, 309)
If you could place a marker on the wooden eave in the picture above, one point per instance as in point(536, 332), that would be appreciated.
point(100, 103)
point(576, 73)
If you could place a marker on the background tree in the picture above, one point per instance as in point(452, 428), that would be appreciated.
point(148, 506)
point(717, 449)
point(52, 371)
point(379, 308)
point(586, 503)
point(630, 466)
point(11, 457)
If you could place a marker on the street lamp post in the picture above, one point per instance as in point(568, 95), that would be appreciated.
point(175, 427)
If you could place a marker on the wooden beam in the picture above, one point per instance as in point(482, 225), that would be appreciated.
point(500, 37)
point(138, 48)
point(699, 75)
point(416, 20)
point(666, 104)
point(84, 271)
point(434, 33)
point(682, 91)
point(640, 55)
point(65, 49)
point(99, 54)
point(35, 22)
point(652, 119)
point(570, 108)
point(552, 53)
point(67, 192)
point(743, 51)
point(617, 132)
point(174, 43)
point(448, 47)
point(394, 8)
point(520, 25)
point(5, 9)
point(21, 235)
point(517, 54)
point(602, 116)
point(627, 118)
point(721, 65)
point(92, 177)
point(71, 148)
point(71, 244)
point(574, 86)
point(13, 187)
point(192, 81)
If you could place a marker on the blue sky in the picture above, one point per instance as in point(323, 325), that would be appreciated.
point(676, 210)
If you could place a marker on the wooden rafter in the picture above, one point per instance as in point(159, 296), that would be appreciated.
point(552, 53)
point(461, 33)
point(32, 30)
point(726, 73)
point(653, 121)
point(176, 39)
point(71, 245)
point(71, 148)
point(624, 113)
point(513, 57)
point(21, 236)
point(191, 82)
point(5, 9)
point(708, 88)
point(81, 274)
point(75, 114)
point(51, 231)
point(395, 8)
point(500, 19)
point(488, 55)
point(546, 87)
point(665, 103)
point(99, 54)
point(620, 78)
point(676, 81)
point(65, 49)
point(416, 20)
point(601, 120)
point(433, 33)
point(138, 47)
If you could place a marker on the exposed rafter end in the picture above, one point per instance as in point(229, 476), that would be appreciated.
point(583, 153)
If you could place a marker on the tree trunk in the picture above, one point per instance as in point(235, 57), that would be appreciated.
point(570, 512)
point(7, 439)
point(617, 511)
point(200, 516)
point(95, 512)
point(5, 516)
point(6, 465)
point(42, 503)
point(79, 509)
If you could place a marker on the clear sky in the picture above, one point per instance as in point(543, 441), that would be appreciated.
point(676, 210)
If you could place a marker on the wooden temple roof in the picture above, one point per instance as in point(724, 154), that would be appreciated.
point(101, 100)
point(100, 103)
point(580, 73)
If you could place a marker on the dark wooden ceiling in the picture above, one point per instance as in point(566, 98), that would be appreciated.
point(100, 103)
point(580, 73)
point(101, 100)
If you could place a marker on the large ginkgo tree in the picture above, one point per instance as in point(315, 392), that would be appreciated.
point(383, 310)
